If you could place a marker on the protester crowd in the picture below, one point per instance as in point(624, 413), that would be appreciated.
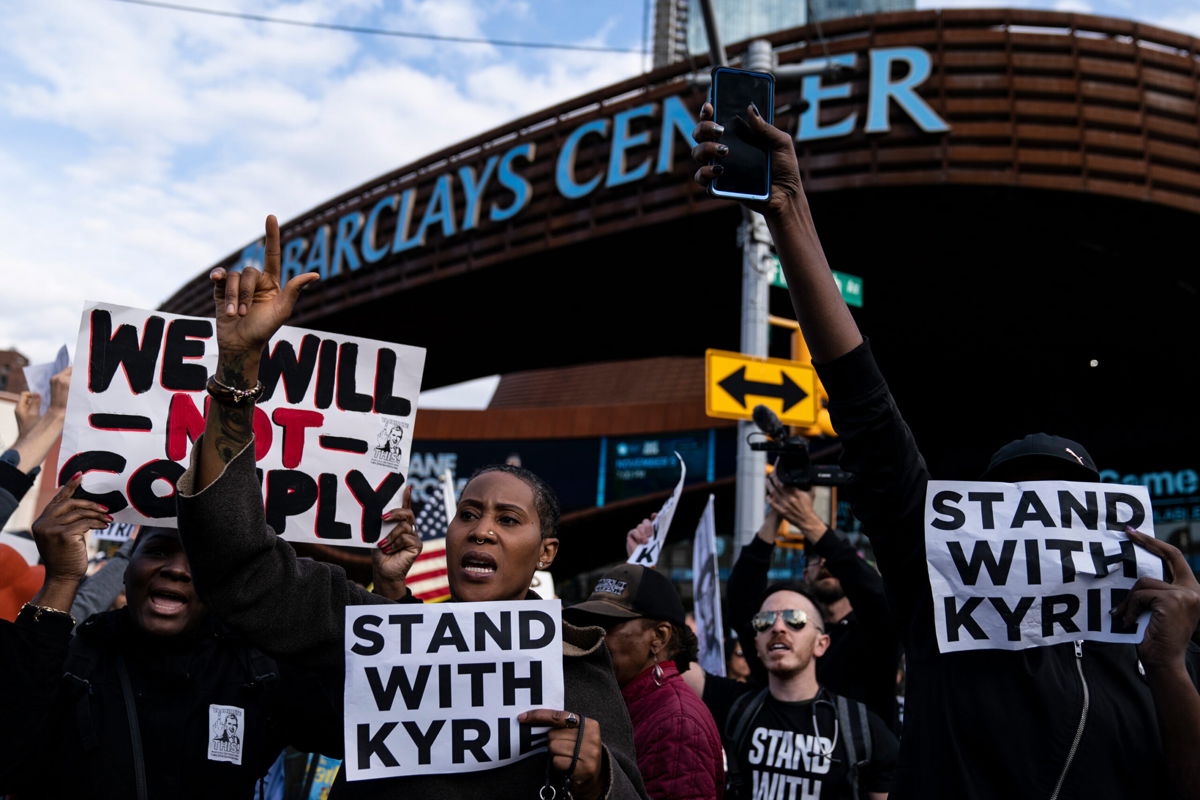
point(229, 654)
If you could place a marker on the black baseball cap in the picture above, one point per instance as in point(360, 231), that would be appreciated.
point(1066, 458)
point(629, 591)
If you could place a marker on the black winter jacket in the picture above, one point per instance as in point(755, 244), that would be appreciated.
point(67, 731)
point(296, 608)
point(989, 723)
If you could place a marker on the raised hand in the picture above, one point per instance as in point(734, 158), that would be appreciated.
point(28, 412)
point(398, 551)
point(640, 534)
point(251, 305)
point(785, 170)
point(61, 534)
point(60, 387)
point(796, 506)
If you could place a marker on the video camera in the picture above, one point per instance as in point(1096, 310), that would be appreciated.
point(793, 464)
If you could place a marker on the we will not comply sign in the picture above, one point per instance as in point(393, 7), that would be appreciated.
point(1018, 565)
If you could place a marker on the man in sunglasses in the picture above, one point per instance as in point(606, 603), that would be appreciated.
point(793, 738)
point(864, 652)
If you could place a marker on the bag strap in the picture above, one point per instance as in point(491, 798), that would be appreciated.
point(741, 716)
point(135, 731)
point(858, 737)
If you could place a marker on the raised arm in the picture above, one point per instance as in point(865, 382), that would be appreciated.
point(828, 327)
point(249, 576)
point(36, 434)
point(747, 581)
point(250, 307)
point(878, 446)
point(862, 584)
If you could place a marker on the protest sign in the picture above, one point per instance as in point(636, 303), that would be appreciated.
point(706, 591)
point(434, 689)
point(332, 429)
point(1018, 565)
point(647, 554)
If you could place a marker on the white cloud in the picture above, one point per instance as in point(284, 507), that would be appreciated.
point(173, 134)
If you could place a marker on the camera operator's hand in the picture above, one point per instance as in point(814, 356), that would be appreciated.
point(785, 170)
point(796, 506)
point(640, 534)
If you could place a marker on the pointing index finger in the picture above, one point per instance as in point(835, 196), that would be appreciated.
point(1177, 569)
point(407, 501)
point(271, 261)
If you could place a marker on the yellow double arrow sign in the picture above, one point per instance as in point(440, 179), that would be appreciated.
point(735, 383)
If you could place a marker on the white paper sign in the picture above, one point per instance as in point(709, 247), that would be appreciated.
point(436, 688)
point(332, 431)
point(1018, 565)
point(647, 554)
point(37, 376)
point(706, 592)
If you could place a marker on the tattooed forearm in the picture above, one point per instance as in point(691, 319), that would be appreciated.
point(233, 370)
point(235, 424)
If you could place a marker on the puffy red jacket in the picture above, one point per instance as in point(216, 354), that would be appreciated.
point(677, 744)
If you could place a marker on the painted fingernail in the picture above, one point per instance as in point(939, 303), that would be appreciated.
point(385, 516)
point(107, 517)
point(75, 477)
point(720, 129)
point(103, 508)
point(718, 169)
point(722, 150)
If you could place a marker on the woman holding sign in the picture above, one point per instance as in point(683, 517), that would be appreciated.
point(503, 531)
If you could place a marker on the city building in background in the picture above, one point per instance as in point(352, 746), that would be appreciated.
point(1010, 189)
point(679, 24)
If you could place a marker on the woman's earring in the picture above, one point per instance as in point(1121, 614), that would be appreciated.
point(541, 564)
point(658, 675)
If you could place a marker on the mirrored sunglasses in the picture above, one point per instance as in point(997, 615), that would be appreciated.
point(794, 618)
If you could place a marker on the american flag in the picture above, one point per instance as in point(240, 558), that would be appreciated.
point(427, 578)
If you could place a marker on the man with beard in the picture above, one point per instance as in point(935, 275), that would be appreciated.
point(796, 739)
point(863, 652)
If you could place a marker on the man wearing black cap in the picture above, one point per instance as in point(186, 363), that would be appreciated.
point(676, 741)
point(1068, 720)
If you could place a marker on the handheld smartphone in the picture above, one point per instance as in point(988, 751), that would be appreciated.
point(747, 172)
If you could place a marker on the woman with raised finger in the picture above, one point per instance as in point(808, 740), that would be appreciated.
point(503, 531)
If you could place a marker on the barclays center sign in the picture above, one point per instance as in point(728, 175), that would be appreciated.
point(640, 141)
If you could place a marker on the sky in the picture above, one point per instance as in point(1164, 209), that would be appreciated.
point(140, 145)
